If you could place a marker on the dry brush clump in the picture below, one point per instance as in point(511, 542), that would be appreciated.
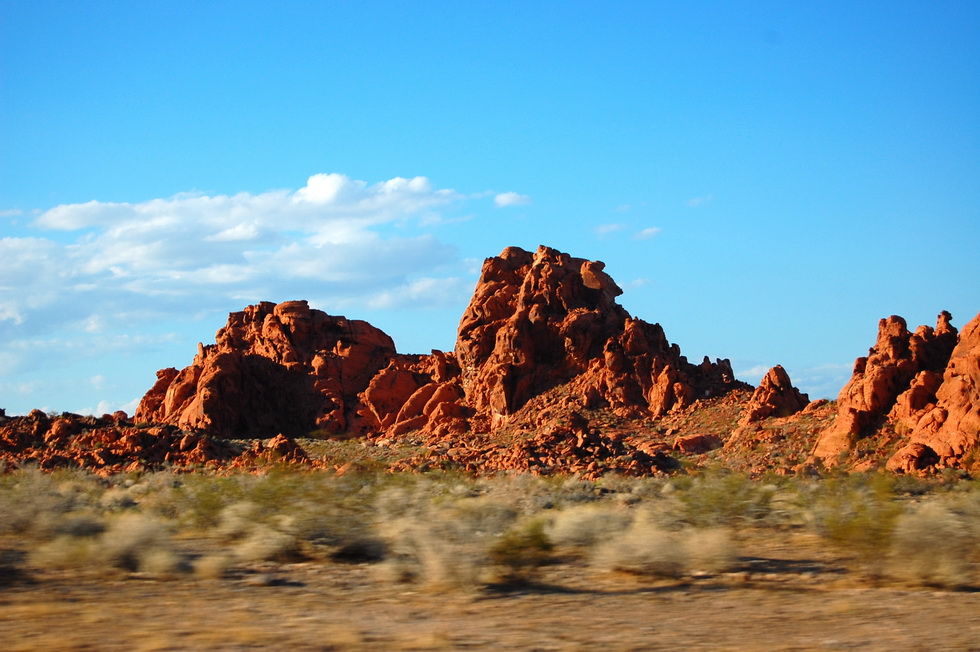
point(937, 543)
point(128, 542)
point(443, 543)
point(647, 547)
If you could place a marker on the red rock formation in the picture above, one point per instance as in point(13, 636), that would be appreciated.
point(918, 399)
point(882, 376)
point(539, 320)
point(775, 396)
point(416, 393)
point(274, 368)
point(535, 321)
point(105, 445)
point(696, 444)
point(949, 430)
point(565, 445)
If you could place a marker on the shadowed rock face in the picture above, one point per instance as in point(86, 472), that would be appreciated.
point(273, 369)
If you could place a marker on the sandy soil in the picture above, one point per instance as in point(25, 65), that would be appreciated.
point(774, 604)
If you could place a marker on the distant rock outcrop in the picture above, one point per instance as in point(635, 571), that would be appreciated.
point(947, 429)
point(549, 374)
point(774, 397)
point(879, 379)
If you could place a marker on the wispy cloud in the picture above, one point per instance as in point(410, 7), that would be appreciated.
point(647, 233)
point(511, 199)
point(694, 202)
point(752, 374)
point(606, 229)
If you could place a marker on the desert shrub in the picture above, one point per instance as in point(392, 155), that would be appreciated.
point(583, 526)
point(645, 548)
point(710, 550)
point(138, 542)
point(633, 490)
point(309, 515)
point(264, 543)
point(520, 552)
point(441, 543)
point(199, 499)
point(857, 514)
point(213, 566)
point(726, 499)
point(649, 548)
point(130, 542)
point(32, 501)
point(933, 544)
point(237, 520)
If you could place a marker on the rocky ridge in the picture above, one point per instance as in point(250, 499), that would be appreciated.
point(549, 375)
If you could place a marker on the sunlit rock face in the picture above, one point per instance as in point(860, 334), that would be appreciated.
point(880, 378)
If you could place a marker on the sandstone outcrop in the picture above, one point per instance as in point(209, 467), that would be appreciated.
point(947, 429)
point(416, 393)
point(775, 396)
point(878, 379)
point(273, 369)
point(549, 374)
point(538, 320)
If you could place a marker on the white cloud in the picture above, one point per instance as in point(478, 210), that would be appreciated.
point(116, 268)
point(511, 199)
point(753, 374)
point(647, 233)
point(606, 229)
point(694, 202)
point(424, 292)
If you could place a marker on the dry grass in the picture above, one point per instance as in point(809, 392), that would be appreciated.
point(646, 547)
point(934, 545)
point(451, 532)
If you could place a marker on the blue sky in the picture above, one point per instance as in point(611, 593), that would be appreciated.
point(766, 180)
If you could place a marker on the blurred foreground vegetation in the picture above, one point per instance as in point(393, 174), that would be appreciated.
point(445, 531)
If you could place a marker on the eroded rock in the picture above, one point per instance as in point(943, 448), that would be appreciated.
point(879, 379)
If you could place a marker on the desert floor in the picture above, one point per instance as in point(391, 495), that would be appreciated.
point(774, 603)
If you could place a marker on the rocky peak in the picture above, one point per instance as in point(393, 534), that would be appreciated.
point(947, 428)
point(538, 320)
point(775, 396)
point(878, 379)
